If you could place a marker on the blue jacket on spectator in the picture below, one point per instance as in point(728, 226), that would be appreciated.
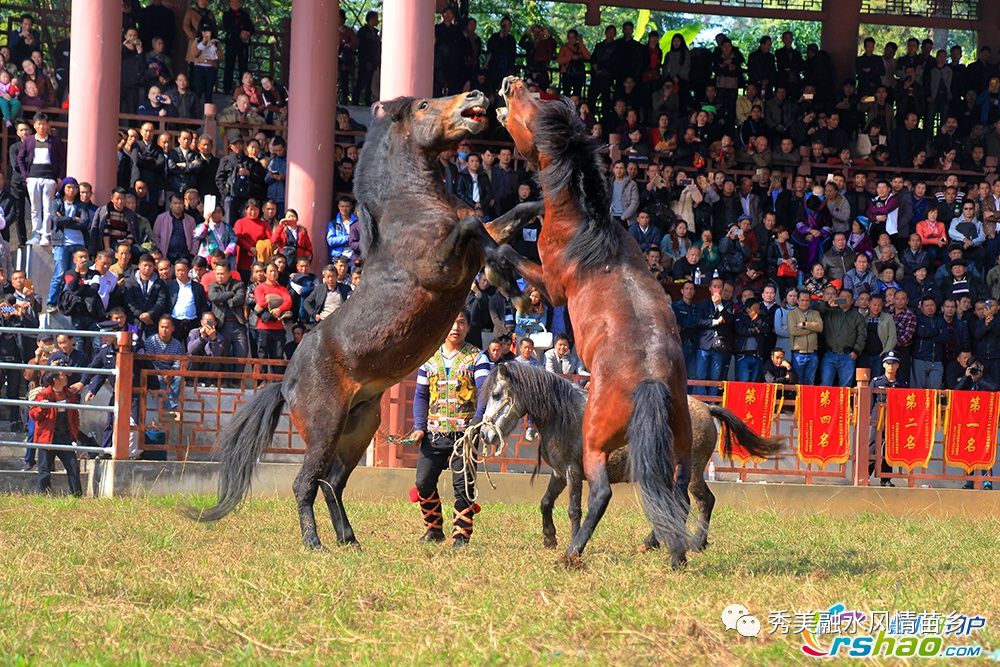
point(929, 338)
point(338, 236)
point(275, 188)
point(646, 238)
point(687, 320)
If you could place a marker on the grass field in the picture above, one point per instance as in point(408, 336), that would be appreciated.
point(130, 581)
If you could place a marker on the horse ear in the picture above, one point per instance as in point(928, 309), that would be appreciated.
point(502, 370)
point(378, 111)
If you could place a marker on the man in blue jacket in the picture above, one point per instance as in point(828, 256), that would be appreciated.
point(338, 231)
point(927, 351)
point(715, 339)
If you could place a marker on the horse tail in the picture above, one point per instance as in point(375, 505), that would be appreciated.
point(241, 444)
point(538, 462)
point(736, 430)
point(651, 455)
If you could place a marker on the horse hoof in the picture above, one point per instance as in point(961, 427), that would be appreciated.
point(678, 562)
point(572, 561)
point(699, 545)
point(351, 544)
point(550, 543)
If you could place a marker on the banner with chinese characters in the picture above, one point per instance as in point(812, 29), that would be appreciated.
point(824, 423)
point(753, 403)
point(910, 422)
point(970, 429)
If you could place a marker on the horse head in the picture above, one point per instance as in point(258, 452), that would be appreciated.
point(519, 117)
point(434, 124)
point(503, 411)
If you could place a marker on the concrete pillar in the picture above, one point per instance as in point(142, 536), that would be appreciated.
point(94, 72)
point(839, 36)
point(407, 28)
point(309, 189)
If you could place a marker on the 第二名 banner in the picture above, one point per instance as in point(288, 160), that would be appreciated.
point(910, 422)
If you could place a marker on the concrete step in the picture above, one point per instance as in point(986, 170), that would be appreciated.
point(22, 482)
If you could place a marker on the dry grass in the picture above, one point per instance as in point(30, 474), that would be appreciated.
point(132, 582)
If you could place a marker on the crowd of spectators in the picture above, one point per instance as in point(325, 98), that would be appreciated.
point(803, 222)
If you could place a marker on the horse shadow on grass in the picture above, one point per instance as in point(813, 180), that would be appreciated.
point(841, 562)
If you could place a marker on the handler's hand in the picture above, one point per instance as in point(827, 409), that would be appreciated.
point(414, 437)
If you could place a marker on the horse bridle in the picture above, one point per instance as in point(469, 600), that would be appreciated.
point(506, 404)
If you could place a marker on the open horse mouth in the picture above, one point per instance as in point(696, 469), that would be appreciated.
point(476, 114)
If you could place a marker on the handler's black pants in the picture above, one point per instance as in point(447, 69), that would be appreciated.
point(435, 450)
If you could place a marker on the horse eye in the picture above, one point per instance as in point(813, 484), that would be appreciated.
point(423, 105)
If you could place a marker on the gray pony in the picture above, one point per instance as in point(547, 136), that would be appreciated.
point(556, 404)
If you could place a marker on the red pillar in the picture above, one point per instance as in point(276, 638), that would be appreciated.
point(94, 72)
point(839, 36)
point(988, 27)
point(311, 103)
point(407, 28)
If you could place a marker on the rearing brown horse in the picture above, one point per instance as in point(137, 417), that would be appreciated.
point(422, 252)
point(626, 333)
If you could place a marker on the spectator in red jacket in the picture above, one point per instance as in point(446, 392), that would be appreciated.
point(250, 230)
point(57, 425)
point(273, 305)
point(291, 240)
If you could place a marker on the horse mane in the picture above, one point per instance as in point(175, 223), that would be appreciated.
point(373, 163)
point(561, 135)
point(552, 401)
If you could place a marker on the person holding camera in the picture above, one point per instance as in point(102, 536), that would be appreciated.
point(974, 379)
point(985, 331)
point(133, 69)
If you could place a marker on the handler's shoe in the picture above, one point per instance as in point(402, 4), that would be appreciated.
point(432, 535)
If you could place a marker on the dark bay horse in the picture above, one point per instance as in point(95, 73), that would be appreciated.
point(626, 332)
point(555, 406)
point(421, 255)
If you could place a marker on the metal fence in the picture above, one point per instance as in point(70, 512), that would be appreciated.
point(112, 409)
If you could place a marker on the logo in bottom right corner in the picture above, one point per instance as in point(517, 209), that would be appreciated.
point(840, 632)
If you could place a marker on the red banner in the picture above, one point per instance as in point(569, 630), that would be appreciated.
point(970, 429)
point(910, 422)
point(824, 423)
point(753, 402)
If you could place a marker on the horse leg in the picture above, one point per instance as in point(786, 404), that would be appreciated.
point(363, 421)
point(596, 470)
point(532, 272)
point(321, 428)
point(511, 222)
point(499, 271)
point(706, 502)
point(703, 442)
point(574, 476)
point(556, 486)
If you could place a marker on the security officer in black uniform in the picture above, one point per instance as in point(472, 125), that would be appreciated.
point(889, 380)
